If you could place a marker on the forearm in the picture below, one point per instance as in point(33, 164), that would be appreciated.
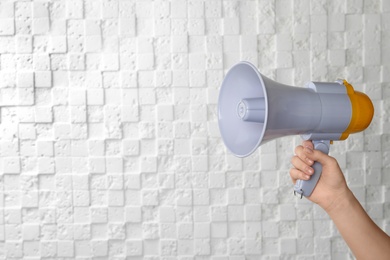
point(363, 236)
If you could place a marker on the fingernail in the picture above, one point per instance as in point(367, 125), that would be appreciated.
point(307, 177)
point(310, 170)
point(309, 161)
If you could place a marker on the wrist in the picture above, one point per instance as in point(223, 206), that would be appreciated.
point(340, 203)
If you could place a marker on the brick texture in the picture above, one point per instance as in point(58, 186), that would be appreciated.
point(109, 140)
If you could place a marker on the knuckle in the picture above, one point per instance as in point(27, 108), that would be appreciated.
point(292, 160)
point(293, 175)
point(298, 149)
point(293, 180)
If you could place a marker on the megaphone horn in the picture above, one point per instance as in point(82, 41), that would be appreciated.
point(253, 109)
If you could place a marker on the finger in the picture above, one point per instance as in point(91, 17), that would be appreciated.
point(309, 155)
point(308, 143)
point(296, 174)
point(303, 153)
point(301, 165)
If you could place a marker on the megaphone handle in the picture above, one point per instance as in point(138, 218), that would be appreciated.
point(306, 187)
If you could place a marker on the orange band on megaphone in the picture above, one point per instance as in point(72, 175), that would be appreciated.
point(362, 111)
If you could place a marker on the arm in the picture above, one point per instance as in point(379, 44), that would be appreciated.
point(363, 236)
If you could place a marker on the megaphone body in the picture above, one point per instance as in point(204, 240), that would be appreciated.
point(253, 109)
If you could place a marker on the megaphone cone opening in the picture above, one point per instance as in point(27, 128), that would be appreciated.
point(241, 121)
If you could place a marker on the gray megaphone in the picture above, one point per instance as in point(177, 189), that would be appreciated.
point(253, 109)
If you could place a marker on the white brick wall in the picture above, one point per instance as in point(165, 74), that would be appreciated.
point(109, 141)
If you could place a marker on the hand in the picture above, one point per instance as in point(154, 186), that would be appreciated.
point(331, 185)
point(363, 236)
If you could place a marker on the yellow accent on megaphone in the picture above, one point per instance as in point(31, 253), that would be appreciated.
point(362, 111)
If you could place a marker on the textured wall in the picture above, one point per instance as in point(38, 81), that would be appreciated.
point(110, 147)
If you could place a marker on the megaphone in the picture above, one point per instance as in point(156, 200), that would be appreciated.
point(253, 109)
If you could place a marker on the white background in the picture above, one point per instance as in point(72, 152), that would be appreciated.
point(109, 142)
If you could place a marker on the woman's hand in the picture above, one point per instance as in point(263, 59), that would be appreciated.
point(363, 236)
point(331, 185)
